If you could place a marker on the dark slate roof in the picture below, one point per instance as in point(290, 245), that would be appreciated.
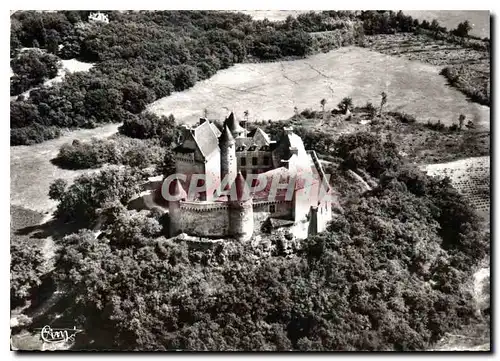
point(226, 137)
point(233, 124)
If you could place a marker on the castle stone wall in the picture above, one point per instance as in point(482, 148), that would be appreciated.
point(207, 223)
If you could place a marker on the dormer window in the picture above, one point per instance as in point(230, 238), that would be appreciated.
point(264, 147)
point(252, 148)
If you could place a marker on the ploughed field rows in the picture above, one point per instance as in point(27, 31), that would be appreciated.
point(470, 176)
point(425, 49)
point(272, 90)
point(469, 69)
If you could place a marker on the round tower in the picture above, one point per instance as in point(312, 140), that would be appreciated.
point(228, 166)
point(174, 211)
point(240, 210)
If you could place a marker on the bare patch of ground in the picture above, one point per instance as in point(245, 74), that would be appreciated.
point(272, 90)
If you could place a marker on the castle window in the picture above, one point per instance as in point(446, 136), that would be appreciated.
point(266, 160)
point(272, 208)
point(255, 161)
point(243, 161)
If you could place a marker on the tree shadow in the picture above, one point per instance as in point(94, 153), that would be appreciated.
point(67, 165)
point(54, 228)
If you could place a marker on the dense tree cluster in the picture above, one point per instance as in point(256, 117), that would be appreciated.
point(365, 150)
point(150, 126)
point(387, 22)
point(31, 68)
point(26, 260)
point(92, 193)
point(120, 150)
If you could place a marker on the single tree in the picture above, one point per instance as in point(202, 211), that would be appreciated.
point(345, 105)
point(245, 113)
point(323, 103)
point(463, 29)
point(461, 120)
point(205, 113)
point(383, 101)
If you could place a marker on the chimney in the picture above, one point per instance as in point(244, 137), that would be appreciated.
point(288, 130)
point(185, 132)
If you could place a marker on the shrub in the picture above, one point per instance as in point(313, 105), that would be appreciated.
point(370, 109)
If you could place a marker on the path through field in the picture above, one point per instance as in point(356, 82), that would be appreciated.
point(272, 90)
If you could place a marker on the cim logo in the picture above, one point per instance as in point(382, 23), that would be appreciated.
point(57, 335)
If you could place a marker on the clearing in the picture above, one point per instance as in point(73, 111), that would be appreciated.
point(272, 90)
point(31, 171)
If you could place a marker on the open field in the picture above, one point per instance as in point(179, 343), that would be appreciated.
point(31, 171)
point(469, 69)
point(272, 90)
point(479, 19)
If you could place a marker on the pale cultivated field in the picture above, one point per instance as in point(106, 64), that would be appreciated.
point(31, 171)
point(479, 19)
point(469, 176)
point(271, 90)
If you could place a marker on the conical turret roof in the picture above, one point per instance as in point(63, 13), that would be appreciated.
point(233, 125)
point(226, 137)
point(176, 190)
point(242, 190)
